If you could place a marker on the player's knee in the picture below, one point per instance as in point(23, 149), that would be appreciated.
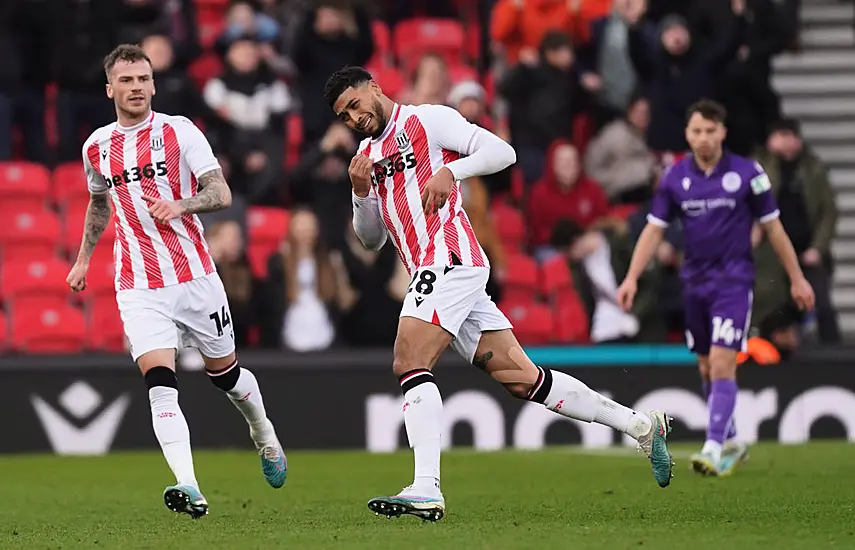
point(722, 367)
point(161, 377)
point(226, 378)
point(403, 365)
point(704, 367)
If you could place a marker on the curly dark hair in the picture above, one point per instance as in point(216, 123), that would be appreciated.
point(343, 79)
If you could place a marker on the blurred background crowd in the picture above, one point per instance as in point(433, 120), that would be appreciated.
point(591, 93)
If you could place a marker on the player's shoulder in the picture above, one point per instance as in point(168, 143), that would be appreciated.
point(99, 135)
point(675, 171)
point(745, 165)
point(180, 123)
point(429, 111)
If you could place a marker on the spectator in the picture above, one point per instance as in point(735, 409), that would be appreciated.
point(744, 86)
point(808, 208)
point(544, 96)
point(520, 26)
point(329, 38)
point(618, 158)
point(565, 192)
point(677, 72)
point(225, 242)
point(176, 91)
point(175, 19)
point(242, 20)
point(371, 286)
point(321, 181)
point(429, 82)
point(470, 100)
point(88, 32)
point(302, 289)
point(605, 63)
point(250, 104)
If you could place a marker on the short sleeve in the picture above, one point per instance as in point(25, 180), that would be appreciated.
point(94, 179)
point(195, 148)
point(448, 128)
point(760, 198)
point(662, 208)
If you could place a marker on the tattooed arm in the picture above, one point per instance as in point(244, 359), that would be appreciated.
point(97, 218)
point(214, 194)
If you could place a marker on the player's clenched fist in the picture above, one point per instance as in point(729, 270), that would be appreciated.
point(360, 175)
point(77, 277)
point(626, 294)
point(162, 210)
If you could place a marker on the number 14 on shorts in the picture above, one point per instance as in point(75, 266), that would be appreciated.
point(222, 320)
point(724, 331)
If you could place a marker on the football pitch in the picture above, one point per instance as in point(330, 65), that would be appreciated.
point(798, 497)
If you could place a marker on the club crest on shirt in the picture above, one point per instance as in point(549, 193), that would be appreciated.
point(687, 182)
point(156, 143)
point(402, 140)
point(731, 182)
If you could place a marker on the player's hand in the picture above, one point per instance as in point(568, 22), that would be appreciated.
point(802, 294)
point(811, 257)
point(360, 175)
point(77, 277)
point(626, 294)
point(437, 190)
point(162, 210)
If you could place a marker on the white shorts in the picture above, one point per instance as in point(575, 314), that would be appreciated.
point(455, 298)
point(192, 314)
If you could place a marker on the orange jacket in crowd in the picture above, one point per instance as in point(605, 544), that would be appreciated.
point(518, 24)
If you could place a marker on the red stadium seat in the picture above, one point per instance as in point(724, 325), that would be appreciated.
point(4, 332)
point(390, 79)
point(28, 229)
point(205, 68)
point(258, 254)
point(24, 179)
point(267, 225)
point(106, 332)
point(414, 37)
point(520, 282)
point(510, 226)
point(533, 322)
point(39, 278)
point(69, 180)
point(100, 280)
point(555, 276)
point(571, 318)
point(382, 44)
point(12, 206)
point(460, 73)
point(48, 330)
point(211, 24)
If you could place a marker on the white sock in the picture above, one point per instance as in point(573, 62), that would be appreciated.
point(246, 396)
point(712, 448)
point(423, 420)
point(571, 398)
point(170, 428)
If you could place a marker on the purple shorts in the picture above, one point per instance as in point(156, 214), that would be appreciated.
point(717, 316)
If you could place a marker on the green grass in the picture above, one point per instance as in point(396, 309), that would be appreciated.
point(784, 497)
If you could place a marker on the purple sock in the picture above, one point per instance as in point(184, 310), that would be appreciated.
point(722, 401)
point(731, 428)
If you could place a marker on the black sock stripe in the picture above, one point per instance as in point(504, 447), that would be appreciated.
point(542, 387)
point(161, 376)
point(222, 371)
point(410, 380)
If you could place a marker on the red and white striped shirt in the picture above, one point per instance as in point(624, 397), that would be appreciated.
point(162, 156)
point(417, 143)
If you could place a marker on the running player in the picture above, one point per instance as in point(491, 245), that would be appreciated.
point(719, 197)
point(160, 172)
point(405, 184)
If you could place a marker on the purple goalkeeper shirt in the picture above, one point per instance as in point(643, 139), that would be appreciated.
point(717, 211)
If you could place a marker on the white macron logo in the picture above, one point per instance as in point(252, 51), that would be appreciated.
point(80, 401)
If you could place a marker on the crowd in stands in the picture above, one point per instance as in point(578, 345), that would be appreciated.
point(591, 93)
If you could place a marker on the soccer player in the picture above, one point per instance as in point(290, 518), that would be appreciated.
point(159, 172)
point(718, 196)
point(406, 184)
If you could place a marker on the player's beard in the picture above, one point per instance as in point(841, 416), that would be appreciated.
point(380, 118)
point(134, 110)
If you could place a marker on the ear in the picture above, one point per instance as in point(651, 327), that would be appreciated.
point(375, 87)
point(109, 91)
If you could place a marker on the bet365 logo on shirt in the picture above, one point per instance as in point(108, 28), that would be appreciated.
point(136, 173)
point(395, 164)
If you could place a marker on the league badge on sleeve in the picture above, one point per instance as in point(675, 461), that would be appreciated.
point(760, 184)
